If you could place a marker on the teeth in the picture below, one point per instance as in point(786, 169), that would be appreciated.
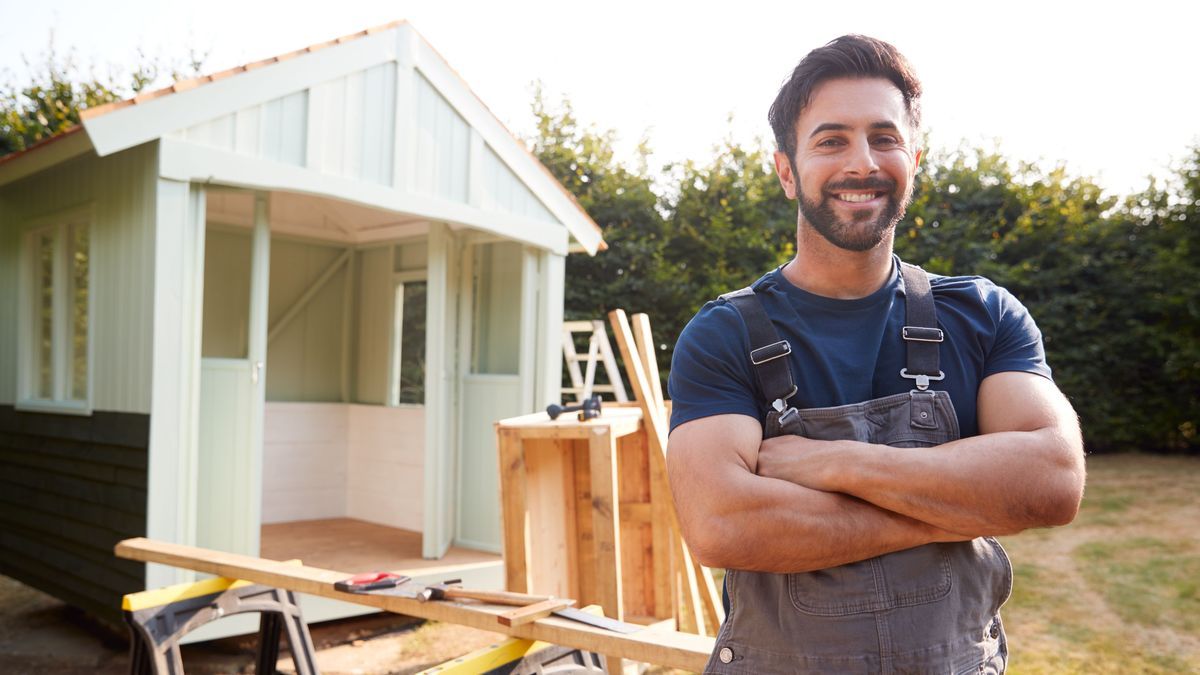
point(856, 198)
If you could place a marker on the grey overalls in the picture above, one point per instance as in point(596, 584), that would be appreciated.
point(929, 609)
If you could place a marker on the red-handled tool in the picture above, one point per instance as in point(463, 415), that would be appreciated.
point(370, 581)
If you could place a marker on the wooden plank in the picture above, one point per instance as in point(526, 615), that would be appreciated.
point(660, 497)
point(655, 423)
point(667, 648)
point(606, 528)
point(515, 513)
point(636, 513)
point(547, 529)
point(530, 613)
point(645, 345)
point(584, 547)
point(570, 518)
point(637, 553)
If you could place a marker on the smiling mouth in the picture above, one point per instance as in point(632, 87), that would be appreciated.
point(858, 197)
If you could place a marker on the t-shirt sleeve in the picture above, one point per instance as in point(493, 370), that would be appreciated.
point(710, 369)
point(1018, 342)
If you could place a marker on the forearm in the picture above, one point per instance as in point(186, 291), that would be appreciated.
point(998, 483)
point(767, 525)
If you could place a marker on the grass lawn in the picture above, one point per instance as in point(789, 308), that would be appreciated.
point(1118, 590)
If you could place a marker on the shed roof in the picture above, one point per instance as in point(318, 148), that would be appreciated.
point(108, 132)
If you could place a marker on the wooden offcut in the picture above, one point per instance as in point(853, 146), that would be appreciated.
point(651, 645)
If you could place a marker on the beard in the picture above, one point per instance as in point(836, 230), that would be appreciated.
point(864, 231)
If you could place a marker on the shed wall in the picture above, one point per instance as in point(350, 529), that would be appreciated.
point(71, 487)
point(120, 190)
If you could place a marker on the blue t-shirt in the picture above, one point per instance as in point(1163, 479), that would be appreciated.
point(850, 351)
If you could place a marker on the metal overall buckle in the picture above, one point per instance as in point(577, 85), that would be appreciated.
point(922, 380)
point(786, 412)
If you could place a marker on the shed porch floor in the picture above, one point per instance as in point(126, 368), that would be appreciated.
point(353, 546)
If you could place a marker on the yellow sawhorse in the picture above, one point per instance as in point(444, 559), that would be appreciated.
point(158, 620)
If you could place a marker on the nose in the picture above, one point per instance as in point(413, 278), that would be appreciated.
point(860, 161)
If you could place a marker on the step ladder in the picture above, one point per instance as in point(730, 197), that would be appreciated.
point(583, 384)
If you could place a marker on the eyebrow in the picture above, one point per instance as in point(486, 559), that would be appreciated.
point(835, 126)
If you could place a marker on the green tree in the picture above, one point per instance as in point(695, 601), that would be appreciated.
point(728, 224)
point(58, 91)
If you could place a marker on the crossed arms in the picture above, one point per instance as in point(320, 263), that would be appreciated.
point(792, 504)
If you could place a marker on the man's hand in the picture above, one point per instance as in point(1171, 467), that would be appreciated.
point(1024, 470)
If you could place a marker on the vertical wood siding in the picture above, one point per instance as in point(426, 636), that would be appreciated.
point(503, 191)
point(121, 192)
point(276, 130)
point(70, 488)
point(375, 308)
point(441, 158)
point(352, 125)
point(304, 362)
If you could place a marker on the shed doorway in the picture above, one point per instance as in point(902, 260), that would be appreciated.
point(343, 423)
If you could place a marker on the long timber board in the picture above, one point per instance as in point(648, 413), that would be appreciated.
point(651, 645)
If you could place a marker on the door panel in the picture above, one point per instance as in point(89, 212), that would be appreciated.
point(228, 496)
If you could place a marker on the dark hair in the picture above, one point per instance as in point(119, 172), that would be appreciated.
point(851, 56)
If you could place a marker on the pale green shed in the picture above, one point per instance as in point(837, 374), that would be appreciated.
point(274, 311)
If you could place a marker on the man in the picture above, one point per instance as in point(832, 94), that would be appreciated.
point(849, 433)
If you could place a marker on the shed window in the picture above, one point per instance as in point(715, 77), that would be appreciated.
point(408, 344)
point(55, 348)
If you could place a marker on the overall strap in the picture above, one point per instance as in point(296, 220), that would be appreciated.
point(921, 333)
point(768, 353)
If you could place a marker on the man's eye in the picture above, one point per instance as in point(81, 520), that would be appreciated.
point(886, 140)
point(829, 143)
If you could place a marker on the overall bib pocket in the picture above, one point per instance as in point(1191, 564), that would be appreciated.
point(902, 579)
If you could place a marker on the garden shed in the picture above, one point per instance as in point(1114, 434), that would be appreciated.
point(275, 311)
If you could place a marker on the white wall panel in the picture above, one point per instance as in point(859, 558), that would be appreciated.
point(501, 190)
point(441, 159)
point(218, 133)
point(304, 361)
point(375, 306)
point(304, 461)
point(276, 130)
point(285, 129)
point(121, 190)
point(352, 125)
point(486, 398)
point(386, 449)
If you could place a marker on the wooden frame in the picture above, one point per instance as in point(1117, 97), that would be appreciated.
point(579, 513)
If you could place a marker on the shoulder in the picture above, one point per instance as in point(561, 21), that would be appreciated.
point(996, 320)
point(979, 293)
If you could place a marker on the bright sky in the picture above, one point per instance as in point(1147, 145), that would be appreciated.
point(1109, 88)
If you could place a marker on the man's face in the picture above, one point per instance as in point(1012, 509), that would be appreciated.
point(854, 164)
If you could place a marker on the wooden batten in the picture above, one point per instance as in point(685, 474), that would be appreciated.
point(650, 645)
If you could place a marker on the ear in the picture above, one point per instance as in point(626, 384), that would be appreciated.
point(917, 164)
point(787, 179)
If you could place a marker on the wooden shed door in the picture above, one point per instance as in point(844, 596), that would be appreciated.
point(232, 394)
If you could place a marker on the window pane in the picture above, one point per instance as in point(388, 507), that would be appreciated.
point(79, 312)
point(44, 298)
point(412, 344)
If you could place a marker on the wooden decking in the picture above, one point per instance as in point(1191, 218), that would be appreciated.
point(352, 545)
